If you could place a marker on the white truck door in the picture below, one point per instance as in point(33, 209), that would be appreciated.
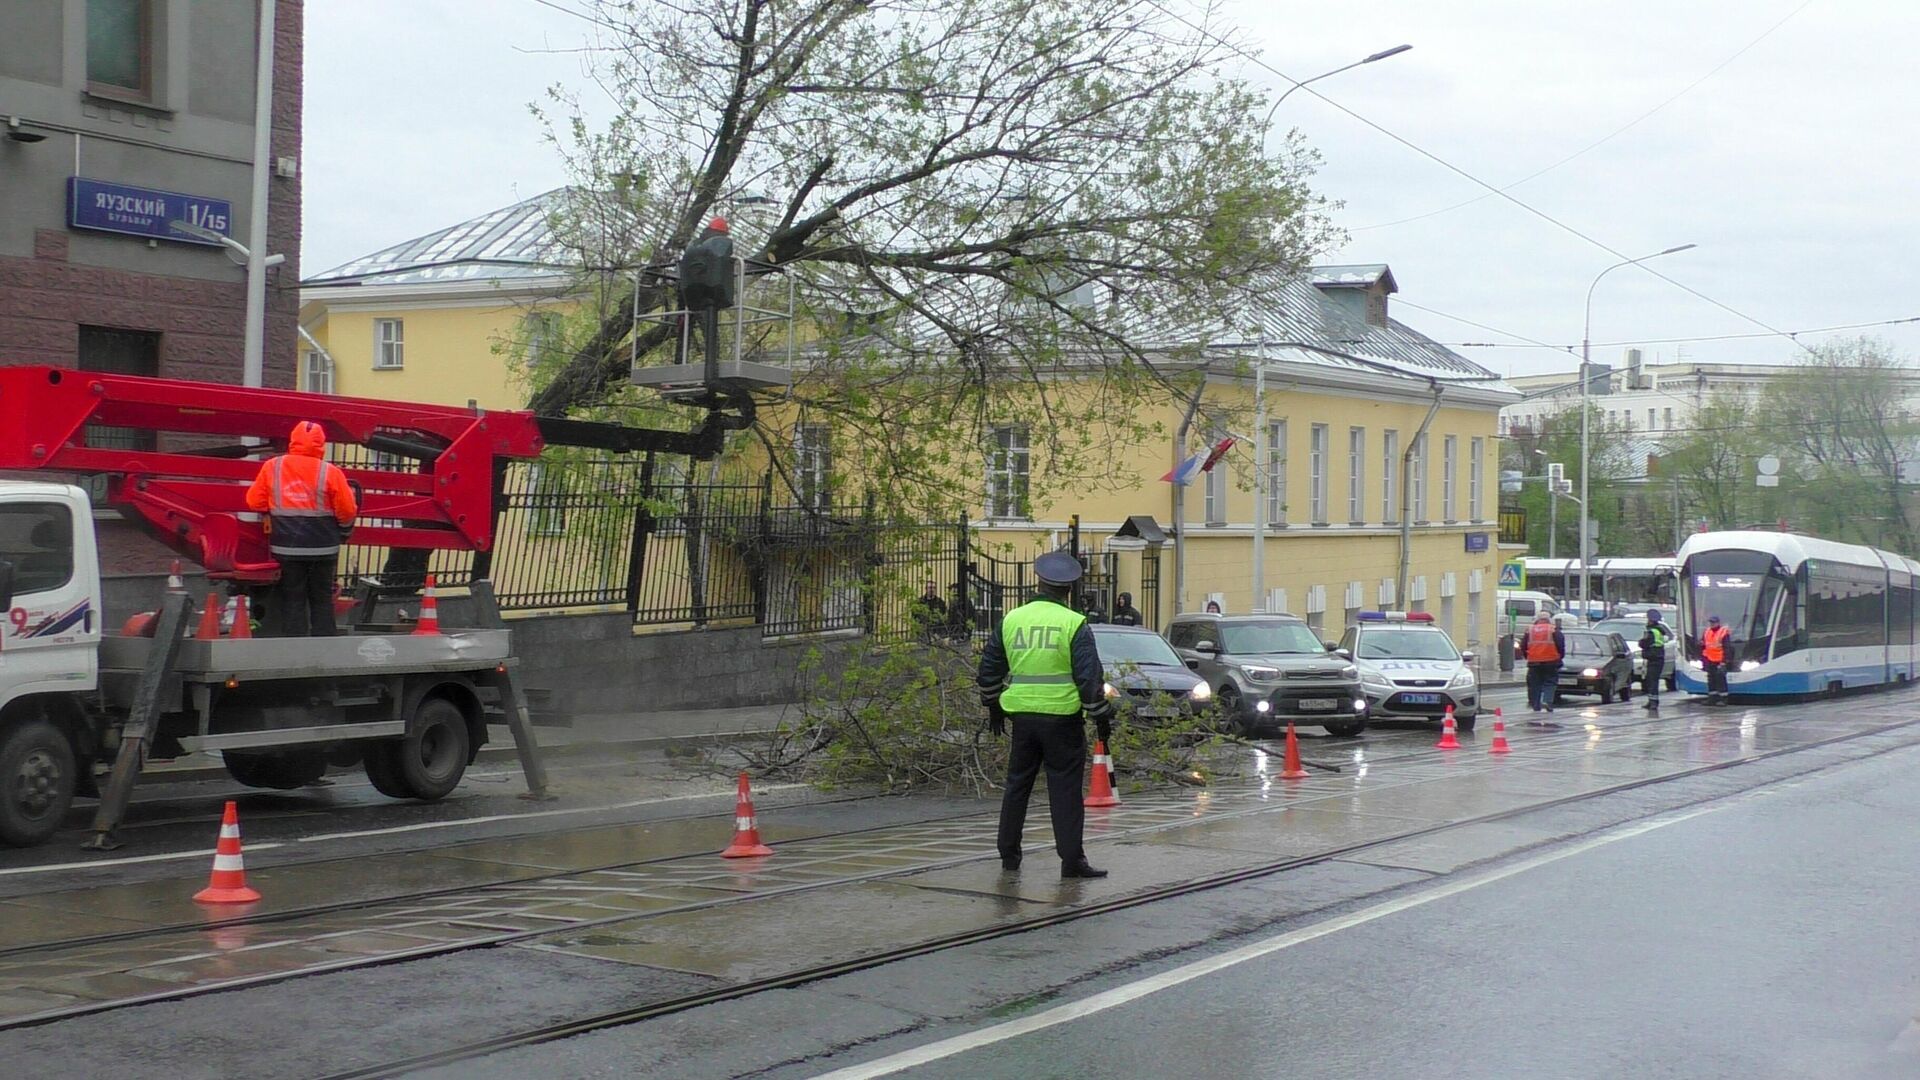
point(50, 628)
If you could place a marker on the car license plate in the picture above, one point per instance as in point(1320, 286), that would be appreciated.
point(1420, 699)
point(1319, 704)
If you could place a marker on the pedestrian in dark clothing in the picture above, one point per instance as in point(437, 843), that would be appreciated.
point(929, 612)
point(1545, 647)
point(1653, 649)
point(1041, 670)
point(1124, 613)
point(959, 614)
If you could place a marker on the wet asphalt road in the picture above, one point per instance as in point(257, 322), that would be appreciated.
point(1769, 936)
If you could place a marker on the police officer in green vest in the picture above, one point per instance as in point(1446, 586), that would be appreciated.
point(1041, 671)
point(1653, 649)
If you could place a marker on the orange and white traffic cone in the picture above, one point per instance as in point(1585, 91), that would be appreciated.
point(1447, 739)
point(242, 619)
point(1100, 789)
point(1499, 735)
point(429, 624)
point(1290, 767)
point(229, 882)
point(209, 620)
point(746, 829)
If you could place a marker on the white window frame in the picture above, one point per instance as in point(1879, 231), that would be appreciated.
point(1213, 490)
point(1356, 475)
point(1276, 472)
point(389, 349)
point(1008, 460)
point(1390, 476)
point(1449, 477)
point(316, 372)
point(1318, 446)
point(813, 465)
point(1419, 480)
point(1476, 478)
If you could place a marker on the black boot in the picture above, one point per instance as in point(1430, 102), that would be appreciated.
point(1080, 868)
point(1010, 863)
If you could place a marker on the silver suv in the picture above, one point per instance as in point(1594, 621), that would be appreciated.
point(1268, 669)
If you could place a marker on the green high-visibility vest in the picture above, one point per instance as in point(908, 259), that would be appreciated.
point(1659, 634)
point(1039, 641)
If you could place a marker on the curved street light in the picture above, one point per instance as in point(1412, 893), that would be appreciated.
point(1381, 55)
point(1586, 382)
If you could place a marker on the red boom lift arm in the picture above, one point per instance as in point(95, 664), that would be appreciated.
point(195, 500)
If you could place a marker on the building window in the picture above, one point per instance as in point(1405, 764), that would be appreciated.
point(1356, 474)
point(389, 345)
point(1446, 619)
point(120, 352)
point(1390, 477)
point(1007, 473)
point(1650, 422)
point(1277, 472)
point(1317, 474)
point(1419, 480)
point(540, 331)
point(316, 372)
point(547, 507)
point(1666, 418)
point(1214, 500)
point(120, 48)
point(1449, 471)
point(813, 465)
point(1476, 479)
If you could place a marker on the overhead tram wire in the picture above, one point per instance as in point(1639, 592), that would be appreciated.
point(1641, 264)
point(1604, 139)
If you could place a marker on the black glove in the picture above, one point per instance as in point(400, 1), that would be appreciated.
point(1102, 716)
point(996, 718)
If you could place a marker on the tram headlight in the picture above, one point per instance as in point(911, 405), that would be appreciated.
point(1749, 665)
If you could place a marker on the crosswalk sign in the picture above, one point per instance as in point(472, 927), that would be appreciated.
point(1513, 575)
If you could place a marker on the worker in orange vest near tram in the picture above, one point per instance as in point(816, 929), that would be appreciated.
point(1545, 646)
point(310, 510)
point(1713, 654)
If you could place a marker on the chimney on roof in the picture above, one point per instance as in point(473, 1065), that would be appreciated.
point(1357, 292)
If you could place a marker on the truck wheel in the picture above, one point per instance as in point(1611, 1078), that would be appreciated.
point(36, 782)
point(280, 772)
point(432, 755)
point(382, 762)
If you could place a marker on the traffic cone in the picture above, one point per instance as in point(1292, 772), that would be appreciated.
point(746, 831)
point(1100, 790)
point(1290, 767)
point(175, 582)
point(429, 623)
point(1499, 735)
point(1447, 739)
point(242, 619)
point(209, 620)
point(229, 882)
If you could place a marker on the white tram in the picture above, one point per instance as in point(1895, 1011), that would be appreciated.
point(1805, 616)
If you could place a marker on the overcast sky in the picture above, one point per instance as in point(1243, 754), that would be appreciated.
point(1793, 166)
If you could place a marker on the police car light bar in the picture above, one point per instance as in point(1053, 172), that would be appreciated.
point(1396, 616)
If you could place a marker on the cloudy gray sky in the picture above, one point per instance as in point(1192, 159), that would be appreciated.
point(1792, 166)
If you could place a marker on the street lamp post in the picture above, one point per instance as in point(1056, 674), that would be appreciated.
point(1260, 481)
point(1586, 382)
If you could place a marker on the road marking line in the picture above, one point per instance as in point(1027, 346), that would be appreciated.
point(1134, 991)
point(200, 854)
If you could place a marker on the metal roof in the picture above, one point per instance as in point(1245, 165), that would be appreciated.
point(1352, 275)
point(514, 242)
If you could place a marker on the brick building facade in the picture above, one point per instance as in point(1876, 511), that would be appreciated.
point(154, 95)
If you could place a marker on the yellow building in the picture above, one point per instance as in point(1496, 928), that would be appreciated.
point(1347, 389)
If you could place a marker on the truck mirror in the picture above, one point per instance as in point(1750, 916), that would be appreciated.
point(6, 583)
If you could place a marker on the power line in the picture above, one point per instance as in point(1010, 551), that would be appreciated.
point(1609, 137)
point(1641, 264)
point(1658, 341)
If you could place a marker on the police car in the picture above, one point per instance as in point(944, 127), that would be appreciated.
point(1409, 669)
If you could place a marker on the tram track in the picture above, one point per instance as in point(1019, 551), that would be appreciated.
point(800, 977)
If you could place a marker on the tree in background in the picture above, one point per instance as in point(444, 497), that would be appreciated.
point(1843, 428)
point(1557, 439)
point(974, 195)
point(1712, 463)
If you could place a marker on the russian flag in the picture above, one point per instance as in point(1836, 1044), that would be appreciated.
point(1182, 474)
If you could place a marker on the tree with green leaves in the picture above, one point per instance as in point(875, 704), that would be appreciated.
point(976, 197)
point(1712, 463)
point(1557, 439)
point(1843, 426)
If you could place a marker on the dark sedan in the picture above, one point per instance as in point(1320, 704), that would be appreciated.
point(1596, 663)
point(1145, 677)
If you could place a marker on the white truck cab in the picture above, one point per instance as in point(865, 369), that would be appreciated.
point(49, 591)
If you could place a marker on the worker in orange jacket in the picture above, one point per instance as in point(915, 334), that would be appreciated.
point(1713, 656)
point(310, 509)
